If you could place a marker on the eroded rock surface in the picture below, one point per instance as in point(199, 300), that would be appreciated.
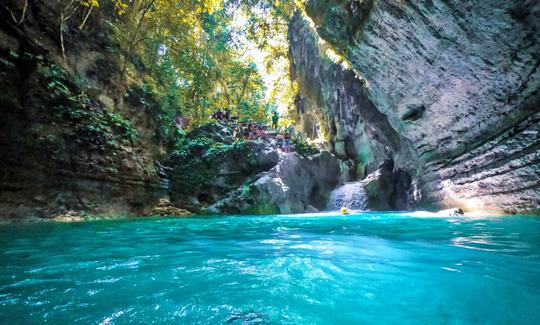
point(457, 81)
point(333, 103)
point(70, 140)
point(296, 184)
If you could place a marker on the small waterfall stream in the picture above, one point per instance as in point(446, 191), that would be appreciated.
point(351, 195)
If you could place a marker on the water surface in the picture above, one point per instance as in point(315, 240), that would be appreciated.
point(375, 268)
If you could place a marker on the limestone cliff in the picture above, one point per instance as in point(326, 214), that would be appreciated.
point(453, 87)
point(70, 137)
point(333, 103)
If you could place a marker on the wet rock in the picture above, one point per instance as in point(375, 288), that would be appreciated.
point(165, 208)
point(170, 210)
point(68, 218)
point(386, 188)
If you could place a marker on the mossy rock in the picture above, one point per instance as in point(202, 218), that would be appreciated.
point(262, 209)
point(207, 164)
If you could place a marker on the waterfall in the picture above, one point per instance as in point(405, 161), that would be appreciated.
point(351, 195)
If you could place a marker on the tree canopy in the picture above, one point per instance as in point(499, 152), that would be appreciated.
point(192, 57)
point(200, 55)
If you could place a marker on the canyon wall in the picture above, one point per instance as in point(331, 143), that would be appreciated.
point(447, 89)
point(72, 139)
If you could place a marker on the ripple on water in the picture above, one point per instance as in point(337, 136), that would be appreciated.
point(274, 269)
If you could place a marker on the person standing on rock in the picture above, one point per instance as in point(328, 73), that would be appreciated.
point(179, 122)
point(227, 115)
point(262, 133)
point(286, 142)
point(245, 131)
point(218, 115)
point(279, 141)
point(275, 120)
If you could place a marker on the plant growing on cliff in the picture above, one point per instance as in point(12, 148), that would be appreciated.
point(88, 118)
point(304, 148)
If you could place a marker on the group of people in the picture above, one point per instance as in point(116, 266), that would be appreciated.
point(224, 116)
point(283, 141)
point(253, 131)
point(250, 131)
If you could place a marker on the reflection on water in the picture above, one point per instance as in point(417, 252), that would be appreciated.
point(324, 268)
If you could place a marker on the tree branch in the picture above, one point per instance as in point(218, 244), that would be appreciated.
point(23, 12)
point(11, 13)
point(131, 43)
point(86, 17)
point(63, 20)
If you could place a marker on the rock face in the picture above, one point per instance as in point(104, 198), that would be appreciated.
point(386, 188)
point(382, 190)
point(211, 173)
point(209, 165)
point(69, 139)
point(296, 184)
point(165, 208)
point(333, 103)
point(457, 83)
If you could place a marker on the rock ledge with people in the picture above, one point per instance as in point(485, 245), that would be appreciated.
point(244, 167)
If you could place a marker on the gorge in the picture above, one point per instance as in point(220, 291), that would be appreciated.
point(445, 92)
point(448, 90)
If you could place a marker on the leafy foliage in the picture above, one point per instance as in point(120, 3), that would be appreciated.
point(198, 55)
point(304, 148)
point(88, 119)
point(192, 57)
point(203, 147)
point(200, 159)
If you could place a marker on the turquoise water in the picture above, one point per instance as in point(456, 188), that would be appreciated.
point(370, 268)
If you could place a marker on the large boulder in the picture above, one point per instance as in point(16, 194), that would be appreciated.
point(208, 166)
point(296, 184)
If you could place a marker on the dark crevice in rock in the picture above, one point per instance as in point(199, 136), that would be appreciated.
point(414, 112)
